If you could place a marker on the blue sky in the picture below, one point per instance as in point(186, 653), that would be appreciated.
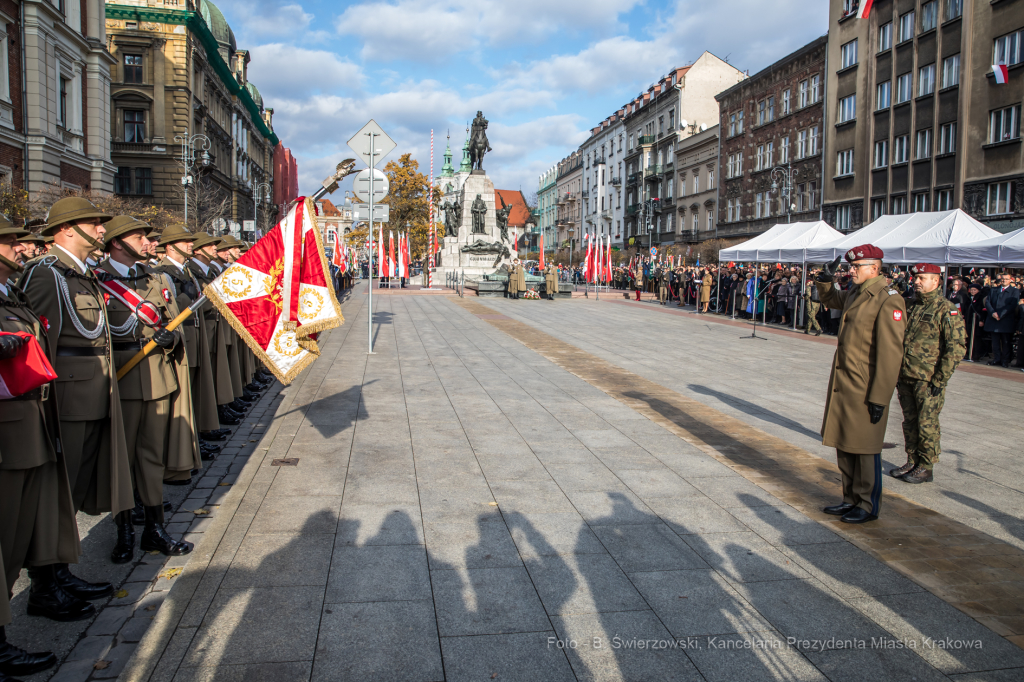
point(542, 71)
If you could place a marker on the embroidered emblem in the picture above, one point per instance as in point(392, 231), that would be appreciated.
point(953, 312)
point(45, 322)
point(167, 295)
point(897, 315)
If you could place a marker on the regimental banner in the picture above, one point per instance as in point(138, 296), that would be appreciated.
point(278, 297)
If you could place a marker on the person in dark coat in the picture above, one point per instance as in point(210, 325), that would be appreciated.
point(975, 320)
point(1002, 309)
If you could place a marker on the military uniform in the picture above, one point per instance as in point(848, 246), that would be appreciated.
point(812, 307)
point(864, 373)
point(513, 281)
point(551, 281)
point(934, 344)
point(662, 287)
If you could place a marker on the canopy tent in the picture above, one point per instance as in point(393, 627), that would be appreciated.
point(1004, 249)
point(784, 243)
point(910, 238)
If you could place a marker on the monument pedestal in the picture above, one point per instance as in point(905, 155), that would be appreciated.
point(475, 254)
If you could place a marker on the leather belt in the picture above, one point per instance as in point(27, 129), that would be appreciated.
point(81, 352)
point(126, 345)
point(40, 393)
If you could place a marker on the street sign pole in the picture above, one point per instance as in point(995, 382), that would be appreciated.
point(369, 323)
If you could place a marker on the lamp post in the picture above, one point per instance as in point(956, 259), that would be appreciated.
point(188, 159)
point(572, 278)
point(258, 190)
point(782, 183)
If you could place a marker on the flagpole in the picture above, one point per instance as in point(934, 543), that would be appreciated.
point(430, 201)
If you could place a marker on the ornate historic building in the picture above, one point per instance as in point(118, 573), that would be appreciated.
point(12, 125)
point(696, 168)
point(547, 207)
point(569, 193)
point(772, 120)
point(917, 121)
point(178, 76)
point(603, 155)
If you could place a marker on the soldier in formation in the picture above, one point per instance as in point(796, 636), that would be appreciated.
point(933, 346)
point(551, 281)
point(864, 374)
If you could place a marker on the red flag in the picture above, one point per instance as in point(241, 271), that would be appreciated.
point(864, 9)
point(380, 251)
point(608, 270)
point(392, 270)
point(541, 251)
point(586, 262)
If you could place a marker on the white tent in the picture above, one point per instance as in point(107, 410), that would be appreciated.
point(910, 238)
point(784, 243)
point(1004, 249)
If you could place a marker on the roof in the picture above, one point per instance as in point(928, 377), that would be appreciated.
point(520, 211)
point(219, 26)
point(783, 243)
point(329, 208)
point(769, 70)
point(256, 96)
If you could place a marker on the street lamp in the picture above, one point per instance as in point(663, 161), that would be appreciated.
point(258, 190)
point(782, 183)
point(188, 159)
point(572, 278)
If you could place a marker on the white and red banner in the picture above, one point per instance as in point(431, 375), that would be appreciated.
point(541, 259)
point(131, 299)
point(1001, 72)
point(277, 296)
point(864, 9)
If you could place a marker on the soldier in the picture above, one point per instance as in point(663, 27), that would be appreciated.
point(551, 281)
point(156, 400)
point(934, 344)
point(638, 280)
point(227, 251)
point(13, 660)
point(812, 304)
point(513, 279)
point(864, 373)
point(177, 242)
point(69, 303)
point(662, 279)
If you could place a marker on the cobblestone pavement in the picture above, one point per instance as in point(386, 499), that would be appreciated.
point(481, 500)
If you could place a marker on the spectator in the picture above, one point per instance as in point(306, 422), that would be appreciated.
point(1002, 304)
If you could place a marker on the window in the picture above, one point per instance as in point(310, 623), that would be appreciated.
point(815, 89)
point(926, 80)
point(999, 194)
point(771, 108)
point(921, 200)
point(954, 8)
point(844, 163)
point(133, 68)
point(1004, 124)
point(784, 150)
point(848, 54)
point(785, 102)
point(947, 138)
point(877, 208)
point(63, 103)
point(732, 208)
point(883, 95)
point(801, 144)
point(711, 221)
point(759, 211)
point(806, 193)
point(759, 164)
point(903, 88)
point(899, 205)
point(843, 218)
point(769, 154)
point(885, 37)
point(848, 108)
point(739, 164)
point(739, 122)
point(881, 154)
point(1008, 49)
point(696, 182)
point(906, 31)
point(671, 119)
point(123, 180)
point(134, 125)
point(901, 149)
point(732, 125)
point(803, 92)
point(144, 181)
point(923, 148)
point(631, 141)
point(944, 200)
point(711, 179)
point(696, 221)
point(761, 109)
point(929, 17)
point(951, 71)
point(812, 142)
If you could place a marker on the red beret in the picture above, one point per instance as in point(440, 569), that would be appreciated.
point(864, 252)
point(926, 269)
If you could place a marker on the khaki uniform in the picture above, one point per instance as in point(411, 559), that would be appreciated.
point(865, 370)
point(215, 334)
point(513, 281)
point(811, 308)
point(37, 513)
point(520, 278)
point(662, 279)
point(932, 348)
point(551, 280)
point(86, 389)
point(705, 289)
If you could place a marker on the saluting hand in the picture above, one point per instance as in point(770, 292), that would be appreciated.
point(829, 270)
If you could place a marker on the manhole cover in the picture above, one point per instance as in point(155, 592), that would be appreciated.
point(285, 462)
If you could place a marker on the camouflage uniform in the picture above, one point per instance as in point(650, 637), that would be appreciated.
point(811, 308)
point(933, 346)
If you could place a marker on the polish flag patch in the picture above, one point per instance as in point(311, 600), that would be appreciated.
point(954, 312)
point(897, 315)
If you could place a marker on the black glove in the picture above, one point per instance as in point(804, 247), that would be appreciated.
point(936, 390)
point(828, 271)
point(163, 338)
point(876, 412)
point(10, 344)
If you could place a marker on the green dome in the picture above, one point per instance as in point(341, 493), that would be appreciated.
point(255, 94)
point(219, 27)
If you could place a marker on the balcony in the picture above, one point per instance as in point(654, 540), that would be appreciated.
point(669, 166)
point(647, 139)
point(632, 210)
point(585, 193)
point(633, 178)
point(607, 215)
point(72, 141)
point(615, 181)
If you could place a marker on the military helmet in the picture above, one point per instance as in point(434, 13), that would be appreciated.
point(120, 226)
point(227, 242)
point(70, 209)
point(205, 239)
point(7, 227)
point(34, 238)
point(177, 233)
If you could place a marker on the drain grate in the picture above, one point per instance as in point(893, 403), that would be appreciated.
point(285, 462)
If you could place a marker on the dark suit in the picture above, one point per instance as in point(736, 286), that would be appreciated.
point(1004, 301)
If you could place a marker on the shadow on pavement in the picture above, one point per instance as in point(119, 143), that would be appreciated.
point(755, 410)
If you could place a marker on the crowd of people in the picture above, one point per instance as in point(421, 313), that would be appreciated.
point(80, 299)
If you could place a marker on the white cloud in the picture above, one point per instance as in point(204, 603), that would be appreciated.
point(285, 71)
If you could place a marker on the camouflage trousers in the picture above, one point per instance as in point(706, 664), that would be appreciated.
point(920, 421)
point(812, 316)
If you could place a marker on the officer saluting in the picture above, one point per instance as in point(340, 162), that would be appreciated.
point(934, 344)
point(864, 373)
point(65, 295)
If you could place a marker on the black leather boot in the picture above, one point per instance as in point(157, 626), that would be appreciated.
point(155, 538)
point(138, 516)
point(15, 661)
point(124, 548)
point(228, 416)
point(214, 435)
point(77, 587)
point(48, 599)
point(250, 395)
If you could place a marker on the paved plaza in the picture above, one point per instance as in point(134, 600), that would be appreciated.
point(534, 490)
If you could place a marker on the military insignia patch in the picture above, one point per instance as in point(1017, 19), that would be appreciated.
point(897, 315)
point(954, 312)
point(12, 318)
point(167, 295)
point(45, 322)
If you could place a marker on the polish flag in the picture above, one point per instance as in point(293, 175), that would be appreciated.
point(380, 252)
point(586, 261)
point(541, 251)
point(392, 270)
point(401, 255)
point(1001, 72)
point(598, 258)
point(608, 270)
point(864, 9)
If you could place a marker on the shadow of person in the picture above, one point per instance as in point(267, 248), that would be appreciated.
point(1013, 525)
point(332, 414)
point(757, 411)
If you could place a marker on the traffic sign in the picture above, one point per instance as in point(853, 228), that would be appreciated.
point(249, 225)
point(361, 185)
point(654, 250)
point(381, 144)
point(380, 212)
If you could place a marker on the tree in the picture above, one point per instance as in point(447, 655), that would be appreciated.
point(157, 216)
point(410, 208)
point(14, 203)
point(708, 250)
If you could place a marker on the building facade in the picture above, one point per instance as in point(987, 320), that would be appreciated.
point(679, 105)
point(12, 128)
point(773, 120)
point(178, 76)
point(547, 207)
point(603, 154)
point(568, 204)
point(696, 194)
point(333, 221)
point(917, 121)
